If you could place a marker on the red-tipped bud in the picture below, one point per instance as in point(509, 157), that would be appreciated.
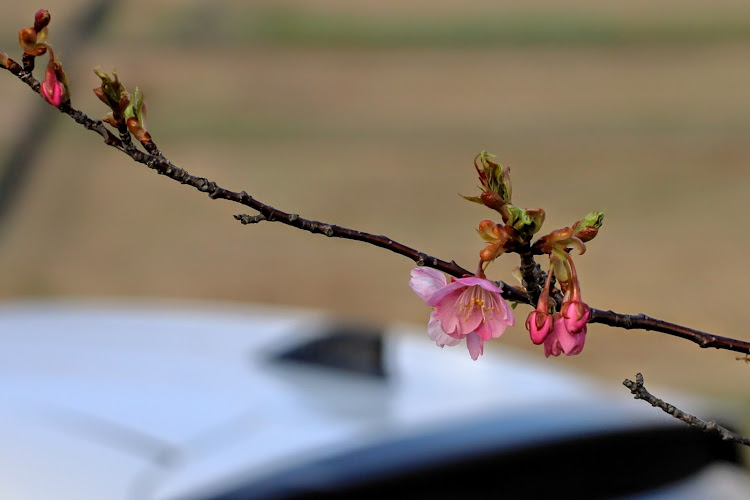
point(41, 19)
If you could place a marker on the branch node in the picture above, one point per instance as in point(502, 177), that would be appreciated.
point(250, 219)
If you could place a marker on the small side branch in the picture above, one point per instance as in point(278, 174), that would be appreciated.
point(639, 391)
point(250, 219)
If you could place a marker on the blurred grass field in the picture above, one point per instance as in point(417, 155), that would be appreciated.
point(368, 115)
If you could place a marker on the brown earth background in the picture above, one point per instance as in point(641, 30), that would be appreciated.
point(368, 115)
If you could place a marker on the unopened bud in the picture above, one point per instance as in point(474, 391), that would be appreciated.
point(111, 91)
point(41, 19)
point(54, 88)
point(588, 227)
point(30, 42)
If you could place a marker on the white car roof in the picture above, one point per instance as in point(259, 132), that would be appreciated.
point(148, 400)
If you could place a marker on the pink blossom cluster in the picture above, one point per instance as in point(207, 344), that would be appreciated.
point(472, 308)
point(560, 332)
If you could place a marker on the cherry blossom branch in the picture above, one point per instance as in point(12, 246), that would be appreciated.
point(154, 159)
point(158, 162)
point(639, 391)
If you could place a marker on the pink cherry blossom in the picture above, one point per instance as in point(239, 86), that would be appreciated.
point(560, 340)
point(468, 308)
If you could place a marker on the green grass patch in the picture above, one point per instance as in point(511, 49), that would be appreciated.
point(278, 27)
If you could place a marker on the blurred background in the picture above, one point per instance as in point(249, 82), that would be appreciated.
point(368, 115)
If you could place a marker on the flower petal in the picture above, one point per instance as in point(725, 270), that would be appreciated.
point(447, 312)
point(475, 345)
point(561, 341)
point(486, 284)
point(436, 333)
point(426, 281)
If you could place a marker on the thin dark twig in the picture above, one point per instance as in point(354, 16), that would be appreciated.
point(639, 391)
point(164, 167)
point(18, 165)
point(643, 322)
point(158, 162)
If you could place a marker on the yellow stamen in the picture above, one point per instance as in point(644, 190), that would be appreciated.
point(475, 297)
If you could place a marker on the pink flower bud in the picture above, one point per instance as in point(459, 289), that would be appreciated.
point(53, 92)
point(576, 315)
point(560, 340)
point(54, 87)
point(41, 19)
point(539, 325)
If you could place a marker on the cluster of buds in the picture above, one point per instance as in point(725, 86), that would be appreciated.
point(563, 331)
point(33, 41)
point(127, 112)
point(518, 225)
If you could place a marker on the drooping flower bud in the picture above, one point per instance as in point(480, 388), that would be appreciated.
point(575, 314)
point(539, 323)
point(54, 88)
point(560, 340)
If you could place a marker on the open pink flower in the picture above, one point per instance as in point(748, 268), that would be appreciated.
point(469, 308)
point(560, 340)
